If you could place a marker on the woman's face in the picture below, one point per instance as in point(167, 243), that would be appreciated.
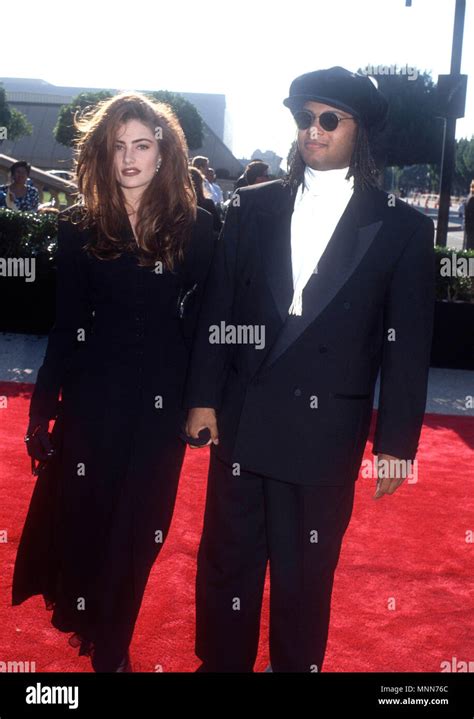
point(20, 176)
point(136, 155)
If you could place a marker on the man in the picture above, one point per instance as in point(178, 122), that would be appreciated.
point(339, 280)
point(216, 191)
point(201, 163)
point(255, 173)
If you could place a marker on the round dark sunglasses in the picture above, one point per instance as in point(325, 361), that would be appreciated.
point(328, 120)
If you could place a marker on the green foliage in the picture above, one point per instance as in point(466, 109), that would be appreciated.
point(424, 178)
point(453, 289)
point(64, 130)
point(414, 133)
point(28, 234)
point(16, 122)
point(464, 170)
point(189, 118)
point(5, 112)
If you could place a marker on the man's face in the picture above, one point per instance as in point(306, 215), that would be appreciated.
point(325, 150)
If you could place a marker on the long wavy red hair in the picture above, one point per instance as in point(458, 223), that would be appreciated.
point(167, 207)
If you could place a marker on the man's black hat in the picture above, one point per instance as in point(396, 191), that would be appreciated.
point(345, 90)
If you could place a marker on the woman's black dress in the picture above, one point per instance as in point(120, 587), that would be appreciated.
point(102, 507)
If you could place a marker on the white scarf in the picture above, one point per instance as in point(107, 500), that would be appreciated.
point(315, 215)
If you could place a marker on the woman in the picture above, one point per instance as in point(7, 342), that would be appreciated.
point(118, 351)
point(20, 193)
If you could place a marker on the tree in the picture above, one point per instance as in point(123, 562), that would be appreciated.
point(64, 130)
point(413, 133)
point(188, 116)
point(423, 178)
point(16, 123)
point(464, 169)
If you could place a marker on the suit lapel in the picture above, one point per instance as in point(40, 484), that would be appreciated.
point(349, 242)
point(274, 233)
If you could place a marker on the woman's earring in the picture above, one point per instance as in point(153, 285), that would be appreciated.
point(158, 165)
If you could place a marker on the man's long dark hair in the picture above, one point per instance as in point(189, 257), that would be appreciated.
point(362, 166)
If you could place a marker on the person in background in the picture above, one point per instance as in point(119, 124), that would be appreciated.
point(461, 210)
point(21, 194)
point(217, 195)
point(204, 202)
point(255, 173)
point(202, 164)
point(469, 221)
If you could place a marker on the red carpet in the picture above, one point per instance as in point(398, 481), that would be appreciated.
point(403, 598)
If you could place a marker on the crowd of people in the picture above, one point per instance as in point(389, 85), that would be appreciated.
point(210, 195)
point(21, 194)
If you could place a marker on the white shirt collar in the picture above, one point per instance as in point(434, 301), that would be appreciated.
point(321, 182)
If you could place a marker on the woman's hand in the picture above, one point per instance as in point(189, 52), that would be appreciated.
point(38, 440)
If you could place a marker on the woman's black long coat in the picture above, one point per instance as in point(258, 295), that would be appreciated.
point(101, 509)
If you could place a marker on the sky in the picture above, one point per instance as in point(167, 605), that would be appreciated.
point(249, 50)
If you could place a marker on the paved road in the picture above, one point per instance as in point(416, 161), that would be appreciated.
point(455, 230)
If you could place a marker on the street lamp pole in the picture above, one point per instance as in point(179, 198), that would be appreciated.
point(454, 102)
point(451, 92)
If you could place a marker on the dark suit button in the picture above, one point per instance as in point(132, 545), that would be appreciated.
point(297, 392)
point(323, 348)
point(347, 305)
point(247, 282)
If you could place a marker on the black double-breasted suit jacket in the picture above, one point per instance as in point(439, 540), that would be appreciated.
point(298, 408)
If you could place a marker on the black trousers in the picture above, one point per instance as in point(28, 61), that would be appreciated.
point(250, 520)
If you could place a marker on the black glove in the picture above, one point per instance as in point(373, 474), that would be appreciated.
point(38, 442)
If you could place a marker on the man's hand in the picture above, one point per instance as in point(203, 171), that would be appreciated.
point(391, 472)
point(199, 418)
